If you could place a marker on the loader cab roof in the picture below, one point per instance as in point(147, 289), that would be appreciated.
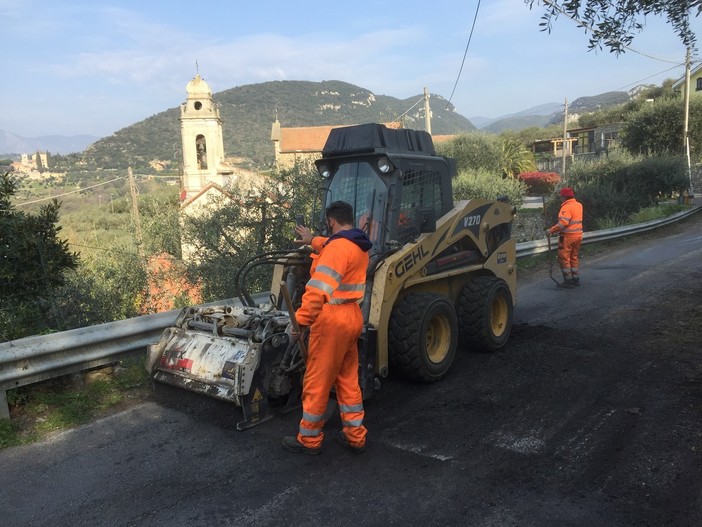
point(376, 138)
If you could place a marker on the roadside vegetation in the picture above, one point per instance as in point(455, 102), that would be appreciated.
point(45, 408)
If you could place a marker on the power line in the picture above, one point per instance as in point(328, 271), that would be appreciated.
point(651, 76)
point(111, 251)
point(465, 53)
point(68, 193)
point(580, 23)
point(410, 108)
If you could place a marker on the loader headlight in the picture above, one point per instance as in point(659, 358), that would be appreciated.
point(384, 165)
point(324, 170)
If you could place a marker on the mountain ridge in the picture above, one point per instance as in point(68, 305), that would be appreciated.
point(552, 113)
point(248, 112)
point(13, 144)
point(542, 109)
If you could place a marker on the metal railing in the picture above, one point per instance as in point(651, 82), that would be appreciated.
point(535, 247)
point(34, 359)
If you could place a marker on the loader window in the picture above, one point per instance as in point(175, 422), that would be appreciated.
point(421, 189)
point(359, 185)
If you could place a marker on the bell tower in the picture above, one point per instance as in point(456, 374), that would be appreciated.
point(201, 134)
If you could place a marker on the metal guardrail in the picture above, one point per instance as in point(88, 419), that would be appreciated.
point(535, 247)
point(34, 359)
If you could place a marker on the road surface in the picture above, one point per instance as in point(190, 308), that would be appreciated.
point(591, 416)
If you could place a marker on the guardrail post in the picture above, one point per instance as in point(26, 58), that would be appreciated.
point(4, 408)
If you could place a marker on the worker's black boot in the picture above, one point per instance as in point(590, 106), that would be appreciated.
point(341, 439)
point(576, 282)
point(291, 444)
point(566, 284)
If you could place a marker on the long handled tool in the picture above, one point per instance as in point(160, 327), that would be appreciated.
point(550, 261)
point(548, 240)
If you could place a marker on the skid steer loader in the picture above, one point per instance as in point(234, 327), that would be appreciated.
point(441, 275)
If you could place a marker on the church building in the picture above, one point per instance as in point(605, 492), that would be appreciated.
point(203, 143)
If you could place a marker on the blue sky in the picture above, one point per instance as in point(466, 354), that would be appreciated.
point(93, 67)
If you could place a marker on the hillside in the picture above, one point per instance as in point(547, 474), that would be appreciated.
point(248, 112)
point(545, 115)
point(518, 122)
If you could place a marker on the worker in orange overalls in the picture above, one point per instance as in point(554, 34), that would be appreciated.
point(570, 237)
point(330, 308)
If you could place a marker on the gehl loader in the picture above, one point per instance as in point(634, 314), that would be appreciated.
point(441, 273)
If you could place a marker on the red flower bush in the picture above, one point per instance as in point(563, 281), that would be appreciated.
point(540, 183)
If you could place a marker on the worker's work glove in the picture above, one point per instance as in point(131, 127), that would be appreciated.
point(549, 234)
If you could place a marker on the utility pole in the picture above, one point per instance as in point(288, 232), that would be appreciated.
point(565, 136)
point(427, 111)
point(686, 138)
point(687, 98)
point(134, 191)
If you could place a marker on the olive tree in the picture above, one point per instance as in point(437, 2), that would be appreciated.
point(33, 263)
point(657, 128)
point(243, 222)
point(614, 23)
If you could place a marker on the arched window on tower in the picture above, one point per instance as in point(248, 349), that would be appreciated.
point(201, 149)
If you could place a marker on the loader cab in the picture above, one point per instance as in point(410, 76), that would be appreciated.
point(393, 179)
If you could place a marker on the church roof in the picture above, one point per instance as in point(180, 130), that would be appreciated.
point(197, 86)
point(203, 191)
point(310, 138)
point(305, 139)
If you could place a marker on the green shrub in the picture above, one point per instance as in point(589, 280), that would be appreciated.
point(615, 187)
point(474, 151)
point(9, 433)
point(657, 212)
point(646, 177)
point(488, 185)
point(103, 290)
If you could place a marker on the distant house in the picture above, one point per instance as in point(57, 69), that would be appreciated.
point(441, 138)
point(33, 161)
point(695, 82)
point(294, 145)
point(588, 141)
point(552, 147)
point(594, 139)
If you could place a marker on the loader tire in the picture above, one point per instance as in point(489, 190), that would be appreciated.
point(485, 312)
point(422, 336)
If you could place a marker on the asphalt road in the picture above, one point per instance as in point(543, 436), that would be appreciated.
point(591, 416)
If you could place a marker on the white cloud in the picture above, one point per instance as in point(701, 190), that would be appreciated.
point(138, 59)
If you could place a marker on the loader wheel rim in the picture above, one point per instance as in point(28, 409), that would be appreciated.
point(438, 339)
point(499, 316)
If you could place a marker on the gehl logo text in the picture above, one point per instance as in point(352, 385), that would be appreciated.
point(409, 261)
